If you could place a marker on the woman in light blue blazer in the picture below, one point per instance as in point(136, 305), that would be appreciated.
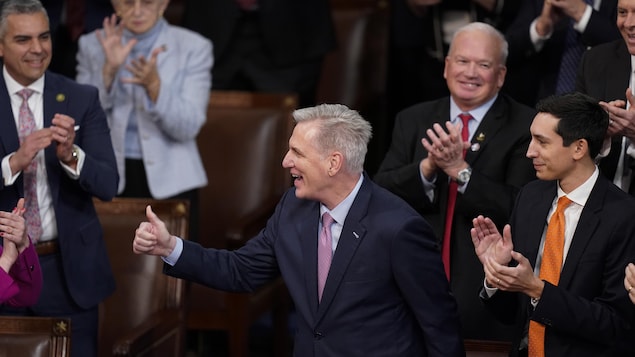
point(154, 83)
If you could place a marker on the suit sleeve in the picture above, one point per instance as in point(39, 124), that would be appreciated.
point(420, 276)
point(22, 285)
point(399, 171)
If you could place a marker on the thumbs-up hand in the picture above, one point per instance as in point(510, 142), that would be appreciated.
point(152, 237)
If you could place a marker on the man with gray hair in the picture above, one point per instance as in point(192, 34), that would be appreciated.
point(359, 263)
point(461, 156)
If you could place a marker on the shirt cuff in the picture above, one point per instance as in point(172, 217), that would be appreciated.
point(176, 253)
point(536, 39)
point(584, 20)
point(489, 291)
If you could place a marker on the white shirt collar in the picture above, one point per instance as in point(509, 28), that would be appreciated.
point(340, 212)
point(13, 86)
point(581, 193)
point(478, 113)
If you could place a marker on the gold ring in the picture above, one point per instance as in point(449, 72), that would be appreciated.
point(498, 281)
point(441, 149)
point(629, 289)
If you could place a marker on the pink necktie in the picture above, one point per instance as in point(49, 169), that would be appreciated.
point(325, 252)
point(32, 214)
point(452, 193)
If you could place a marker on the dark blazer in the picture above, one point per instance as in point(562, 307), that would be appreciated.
point(499, 167)
point(386, 293)
point(604, 73)
point(293, 31)
point(85, 262)
point(589, 312)
point(532, 75)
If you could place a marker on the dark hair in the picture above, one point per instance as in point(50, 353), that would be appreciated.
point(581, 117)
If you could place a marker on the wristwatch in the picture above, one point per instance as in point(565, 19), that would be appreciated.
point(74, 155)
point(464, 176)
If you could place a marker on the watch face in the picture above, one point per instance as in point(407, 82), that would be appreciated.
point(463, 177)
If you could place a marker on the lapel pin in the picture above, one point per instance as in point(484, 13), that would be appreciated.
point(475, 147)
point(60, 97)
point(480, 137)
point(356, 235)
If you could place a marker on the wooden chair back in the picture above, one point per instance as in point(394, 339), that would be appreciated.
point(146, 313)
point(35, 336)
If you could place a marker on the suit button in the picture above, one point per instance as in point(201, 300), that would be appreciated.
point(318, 335)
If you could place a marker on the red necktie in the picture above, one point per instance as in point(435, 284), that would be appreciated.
point(452, 193)
point(26, 124)
point(325, 252)
point(550, 267)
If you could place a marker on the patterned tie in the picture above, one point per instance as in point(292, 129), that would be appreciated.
point(325, 252)
point(26, 124)
point(573, 50)
point(550, 267)
point(452, 193)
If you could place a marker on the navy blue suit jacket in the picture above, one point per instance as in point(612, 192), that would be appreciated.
point(85, 262)
point(589, 312)
point(386, 293)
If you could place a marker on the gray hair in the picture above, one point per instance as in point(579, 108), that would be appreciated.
point(339, 128)
point(490, 30)
point(13, 7)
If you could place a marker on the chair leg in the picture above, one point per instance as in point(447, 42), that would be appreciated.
point(239, 340)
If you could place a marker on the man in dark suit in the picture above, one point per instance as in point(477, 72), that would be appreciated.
point(546, 41)
point(605, 73)
point(491, 173)
point(584, 309)
point(385, 293)
point(272, 45)
point(70, 145)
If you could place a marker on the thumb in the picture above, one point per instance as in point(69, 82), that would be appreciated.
point(19, 208)
point(629, 97)
point(152, 217)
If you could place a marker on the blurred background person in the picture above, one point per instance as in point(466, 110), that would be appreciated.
point(547, 40)
point(20, 272)
point(154, 84)
point(606, 73)
point(268, 45)
point(629, 281)
point(69, 19)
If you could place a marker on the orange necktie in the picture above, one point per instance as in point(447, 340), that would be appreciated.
point(550, 267)
point(452, 193)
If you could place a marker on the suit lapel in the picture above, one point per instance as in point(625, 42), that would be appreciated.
point(55, 102)
point(536, 215)
point(584, 231)
point(352, 235)
point(489, 126)
point(8, 130)
point(307, 229)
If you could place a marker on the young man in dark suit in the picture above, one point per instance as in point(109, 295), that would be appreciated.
point(70, 146)
point(583, 310)
point(487, 175)
point(385, 293)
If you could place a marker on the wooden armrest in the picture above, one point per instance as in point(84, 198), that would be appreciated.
point(249, 225)
point(155, 328)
